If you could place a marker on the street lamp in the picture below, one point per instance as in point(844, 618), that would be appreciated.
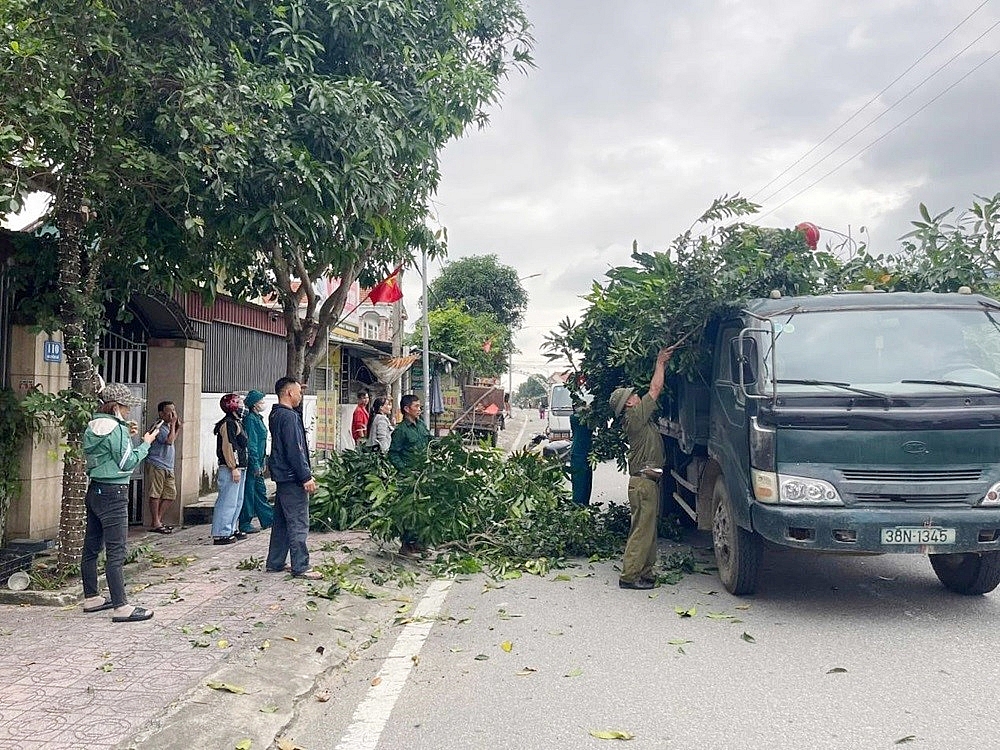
point(510, 359)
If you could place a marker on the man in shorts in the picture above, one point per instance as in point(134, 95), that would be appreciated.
point(160, 467)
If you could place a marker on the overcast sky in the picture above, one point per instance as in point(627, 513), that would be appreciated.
point(641, 112)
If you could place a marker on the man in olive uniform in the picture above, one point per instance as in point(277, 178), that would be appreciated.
point(407, 449)
point(645, 461)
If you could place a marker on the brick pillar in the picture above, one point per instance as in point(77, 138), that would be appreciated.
point(173, 373)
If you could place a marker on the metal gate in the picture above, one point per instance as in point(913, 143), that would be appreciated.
point(124, 361)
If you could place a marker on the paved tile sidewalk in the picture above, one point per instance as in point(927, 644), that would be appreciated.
point(75, 680)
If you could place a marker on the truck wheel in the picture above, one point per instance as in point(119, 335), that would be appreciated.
point(737, 550)
point(970, 573)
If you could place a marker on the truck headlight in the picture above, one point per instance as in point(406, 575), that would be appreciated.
point(769, 487)
point(992, 496)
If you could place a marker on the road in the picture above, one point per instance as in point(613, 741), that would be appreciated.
point(832, 652)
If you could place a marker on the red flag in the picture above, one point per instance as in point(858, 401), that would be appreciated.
point(388, 290)
point(487, 345)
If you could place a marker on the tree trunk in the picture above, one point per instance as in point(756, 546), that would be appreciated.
point(76, 309)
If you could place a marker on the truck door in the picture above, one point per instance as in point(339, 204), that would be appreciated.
point(728, 443)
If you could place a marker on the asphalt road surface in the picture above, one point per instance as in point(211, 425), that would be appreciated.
point(832, 652)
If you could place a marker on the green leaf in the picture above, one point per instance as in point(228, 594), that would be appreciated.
point(686, 612)
point(227, 687)
point(678, 642)
point(748, 638)
point(244, 744)
point(575, 672)
point(610, 734)
point(904, 740)
point(836, 670)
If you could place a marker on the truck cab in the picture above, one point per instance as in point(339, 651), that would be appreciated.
point(856, 422)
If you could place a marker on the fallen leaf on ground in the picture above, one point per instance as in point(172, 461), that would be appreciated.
point(907, 738)
point(678, 642)
point(748, 638)
point(525, 672)
point(323, 696)
point(268, 709)
point(682, 612)
point(507, 646)
point(610, 734)
point(562, 577)
point(574, 673)
point(720, 616)
point(481, 657)
point(286, 744)
point(742, 606)
point(106, 667)
point(244, 744)
point(223, 643)
point(265, 645)
point(227, 687)
point(836, 670)
point(376, 680)
point(290, 638)
point(311, 605)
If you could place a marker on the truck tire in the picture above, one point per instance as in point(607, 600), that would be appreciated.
point(969, 573)
point(737, 550)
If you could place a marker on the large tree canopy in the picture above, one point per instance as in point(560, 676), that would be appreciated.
point(484, 285)
point(310, 131)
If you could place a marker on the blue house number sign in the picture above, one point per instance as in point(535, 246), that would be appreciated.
point(52, 351)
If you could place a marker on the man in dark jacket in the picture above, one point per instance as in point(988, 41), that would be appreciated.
point(289, 466)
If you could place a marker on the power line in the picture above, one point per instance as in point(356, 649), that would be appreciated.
point(858, 153)
point(882, 114)
point(837, 129)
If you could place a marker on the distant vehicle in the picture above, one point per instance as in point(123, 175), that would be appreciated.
point(483, 413)
point(560, 409)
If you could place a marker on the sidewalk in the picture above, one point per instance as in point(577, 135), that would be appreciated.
point(74, 680)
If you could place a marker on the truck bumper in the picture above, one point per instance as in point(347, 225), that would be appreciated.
point(860, 529)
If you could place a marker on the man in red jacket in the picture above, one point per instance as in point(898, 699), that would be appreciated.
point(359, 422)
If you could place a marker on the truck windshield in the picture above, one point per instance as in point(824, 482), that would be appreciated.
point(561, 398)
point(887, 350)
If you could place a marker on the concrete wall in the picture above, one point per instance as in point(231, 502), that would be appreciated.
point(34, 513)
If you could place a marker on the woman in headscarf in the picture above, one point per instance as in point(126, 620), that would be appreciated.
point(379, 426)
point(111, 458)
point(255, 494)
point(231, 449)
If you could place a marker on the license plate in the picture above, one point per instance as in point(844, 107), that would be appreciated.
point(918, 535)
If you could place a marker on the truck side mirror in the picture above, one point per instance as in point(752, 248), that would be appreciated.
point(743, 358)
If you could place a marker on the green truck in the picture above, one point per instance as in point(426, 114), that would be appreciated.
point(860, 422)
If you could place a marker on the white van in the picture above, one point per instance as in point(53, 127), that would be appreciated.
point(560, 408)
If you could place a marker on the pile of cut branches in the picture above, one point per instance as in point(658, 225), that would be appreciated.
point(479, 509)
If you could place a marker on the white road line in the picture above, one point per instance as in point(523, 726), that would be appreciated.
point(517, 440)
point(373, 712)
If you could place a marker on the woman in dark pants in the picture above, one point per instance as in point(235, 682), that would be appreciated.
point(111, 458)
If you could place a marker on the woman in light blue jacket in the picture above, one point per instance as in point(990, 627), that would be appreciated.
point(379, 426)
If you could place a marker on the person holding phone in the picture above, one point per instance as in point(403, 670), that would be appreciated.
point(111, 458)
point(160, 465)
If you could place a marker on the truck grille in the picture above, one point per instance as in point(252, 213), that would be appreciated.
point(912, 475)
point(942, 499)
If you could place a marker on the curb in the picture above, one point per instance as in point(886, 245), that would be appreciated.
point(64, 597)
